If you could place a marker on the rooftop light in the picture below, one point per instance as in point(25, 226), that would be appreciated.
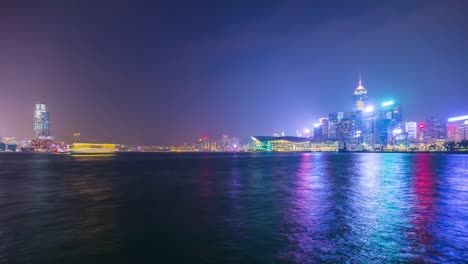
point(369, 109)
point(458, 118)
point(388, 103)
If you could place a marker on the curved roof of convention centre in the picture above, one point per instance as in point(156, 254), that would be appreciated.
point(288, 138)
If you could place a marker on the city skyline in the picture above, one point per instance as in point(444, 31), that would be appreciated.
point(369, 126)
point(247, 131)
point(362, 104)
point(205, 73)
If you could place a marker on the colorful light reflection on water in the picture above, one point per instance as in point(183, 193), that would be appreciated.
point(234, 208)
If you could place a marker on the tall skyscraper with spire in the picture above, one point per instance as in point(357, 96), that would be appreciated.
point(360, 96)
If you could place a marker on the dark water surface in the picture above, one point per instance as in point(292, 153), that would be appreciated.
point(234, 208)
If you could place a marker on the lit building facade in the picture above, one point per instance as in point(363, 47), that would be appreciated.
point(411, 130)
point(433, 130)
point(41, 122)
point(360, 97)
point(368, 129)
point(457, 128)
point(333, 120)
point(281, 144)
point(321, 131)
point(363, 124)
point(346, 130)
point(291, 144)
point(325, 129)
point(389, 121)
point(43, 145)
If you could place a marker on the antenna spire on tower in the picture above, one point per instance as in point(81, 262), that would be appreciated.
point(360, 80)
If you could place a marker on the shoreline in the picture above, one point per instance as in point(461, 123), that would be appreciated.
point(211, 152)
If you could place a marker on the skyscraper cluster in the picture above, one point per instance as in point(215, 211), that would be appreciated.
point(367, 126)
point(374, 126)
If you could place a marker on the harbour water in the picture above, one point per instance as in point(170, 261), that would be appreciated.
point(234, 208)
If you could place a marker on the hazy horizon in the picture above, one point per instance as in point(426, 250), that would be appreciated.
point(166, 73)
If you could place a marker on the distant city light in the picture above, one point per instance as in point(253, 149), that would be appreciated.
point(388, 103)
point(458, 118)
point(466, 122)
point(397, 131)
point(316, 124)
point(422, 126)
point(306, 131)
point(369, 109)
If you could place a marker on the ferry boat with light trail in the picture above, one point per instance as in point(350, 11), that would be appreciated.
point(92, 148)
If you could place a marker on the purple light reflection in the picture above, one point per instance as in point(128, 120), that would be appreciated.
point(306, 217)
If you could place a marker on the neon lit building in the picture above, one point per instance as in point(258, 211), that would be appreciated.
point(361, 134)
point(433, 130)
point(291, 144)
point(41, 122)
point(390, 118)
point(457, 128)
point(391, 110)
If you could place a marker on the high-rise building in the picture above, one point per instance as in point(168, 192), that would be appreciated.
point(41, 122)
point(391, 110)
point(325, 131)
point(389, 120)
point(336, 117)
point(360, 97)
point(333, 120)
point(441, 131)
point(411, 130)
point(360, 102)
point(346, 130)
point(433, 130)
point(369, 132)
point(457, 128)
point(318, 133)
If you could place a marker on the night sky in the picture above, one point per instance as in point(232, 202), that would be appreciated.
point(167, 72)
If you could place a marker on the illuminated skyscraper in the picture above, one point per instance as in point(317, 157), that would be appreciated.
point(325, 129)
point(41, 122)
point(457, 128)
point(333, 120)
point(359, 104)
point(360, 97)
point(411, 130)
point(346, 130)
point(434, 130)
point(390, 118)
